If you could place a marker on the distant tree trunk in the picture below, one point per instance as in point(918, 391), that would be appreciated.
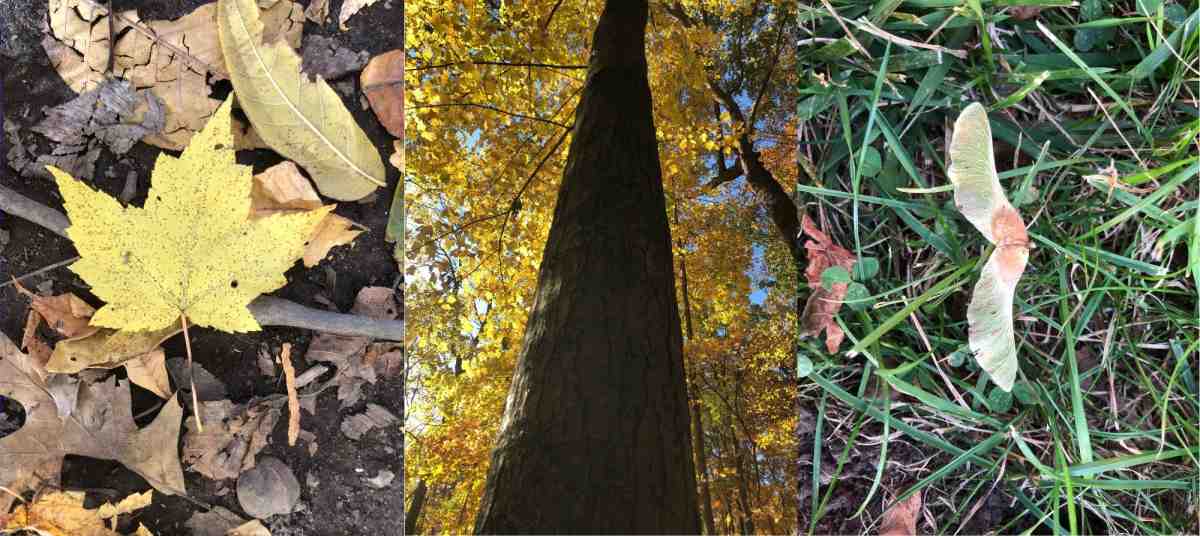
point(702, 468)
point(414, 508)
point(739, 459)
point(595, 430)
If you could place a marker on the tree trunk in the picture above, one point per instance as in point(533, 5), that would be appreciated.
point(414, 508)
point(595, 430)
point(702, 468)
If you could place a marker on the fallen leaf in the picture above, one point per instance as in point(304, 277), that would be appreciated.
point(304, 121)
point(281, 189)
point(65, 313)
point(382, 479)
point(901, 519)
point(107, 348)
point(234, 436)
point(823, 303)
point(175, 64)
point(383, 83)
point(324, 57)
point(375, 416)
point(150, 373)
point(253, 527)
point(317, 11)
point(215, 522)
point(39, 351)
point(981, 200)
point(289, 376)
point(62, 513)
point(348, 354)
point(268, 489)
point(190, 251)
point(101, 426)
point(349, 8)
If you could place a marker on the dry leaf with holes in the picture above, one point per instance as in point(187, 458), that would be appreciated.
point(100, 426)
point(981, 200)
point(62, 513)
point(190, 251)
point(823, 303)
point(176, 64)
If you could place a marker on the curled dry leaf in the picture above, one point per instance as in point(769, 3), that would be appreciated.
point(101, 426)
point(304, 121)
point(349, 354)
point(215, 522)
point(234, 436)
point(289, 376)
point(823, 303)
point(61, 513)
point(980, 197)
point(349, 8)
point(106, 348)
point(172, 58)
point(901, 519)
point(150, 372)
point(65, 313)
point(253, 527)
point(383, 83)
point(375, 416)
point(282, 189)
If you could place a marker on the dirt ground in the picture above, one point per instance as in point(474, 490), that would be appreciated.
point(334, 494)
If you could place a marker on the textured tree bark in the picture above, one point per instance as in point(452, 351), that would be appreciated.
point(414, 508)
point(595, 434)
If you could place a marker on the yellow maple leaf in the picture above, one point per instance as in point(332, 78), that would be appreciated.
point(191, 250)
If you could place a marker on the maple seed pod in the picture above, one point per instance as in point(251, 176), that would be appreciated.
point(980, 198)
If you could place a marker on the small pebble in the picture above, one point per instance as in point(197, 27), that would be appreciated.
point(381, 480)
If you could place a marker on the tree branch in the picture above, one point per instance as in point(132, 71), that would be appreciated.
point(501, 63)
point(268, 310)
point(493, 109)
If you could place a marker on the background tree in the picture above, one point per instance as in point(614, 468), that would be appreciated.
point(493, 94)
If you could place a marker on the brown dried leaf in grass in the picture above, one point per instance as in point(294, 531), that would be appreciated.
point(823, 304)
point(901, 519)
point(234, 435)
point(383, 83)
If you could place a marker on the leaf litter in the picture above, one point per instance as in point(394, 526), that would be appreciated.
point(823, 304)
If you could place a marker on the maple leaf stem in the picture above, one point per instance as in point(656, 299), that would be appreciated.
point(187, 344)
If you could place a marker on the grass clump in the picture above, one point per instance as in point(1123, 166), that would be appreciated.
point(1094, 117)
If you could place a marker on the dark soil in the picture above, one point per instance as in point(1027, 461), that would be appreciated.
point(335, 496)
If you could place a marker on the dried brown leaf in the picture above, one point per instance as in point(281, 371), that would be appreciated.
point(901, 520)
point(234, 435)
point(823, 304)
point(383, 82)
